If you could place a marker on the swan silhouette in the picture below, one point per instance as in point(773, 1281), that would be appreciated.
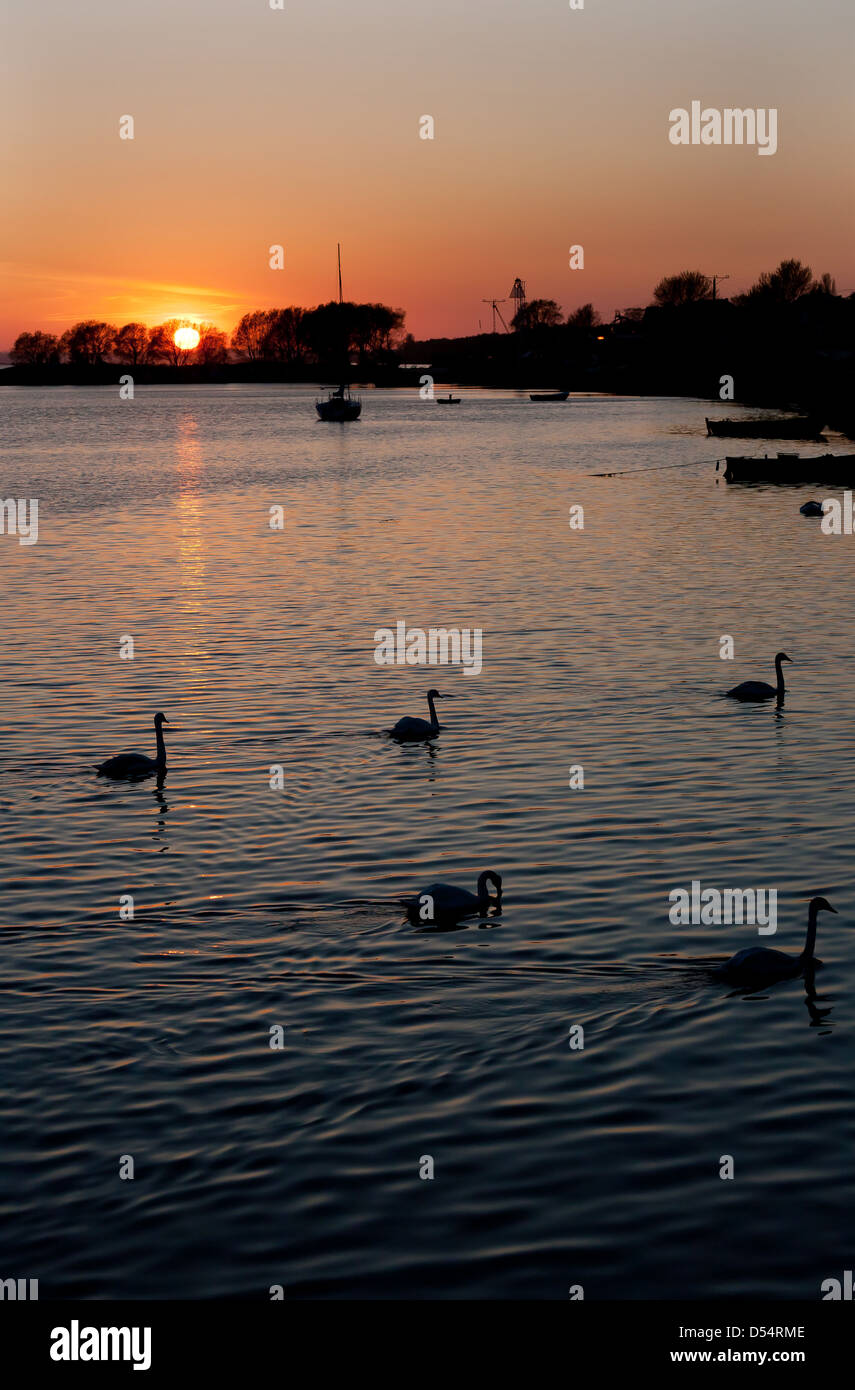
point(417, 730)
point(812, 509)
point(137, 764)
point(445, 902)
point(760, 690)
point(759, 965)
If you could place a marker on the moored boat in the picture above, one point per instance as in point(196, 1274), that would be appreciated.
point(548, 395)
point(791, 468)
point(448, 400)
point(792, 427)
point(339, 405)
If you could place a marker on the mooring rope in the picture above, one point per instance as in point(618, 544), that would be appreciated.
point(654, 468)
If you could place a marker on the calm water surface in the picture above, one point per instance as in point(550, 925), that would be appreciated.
point(255, 907)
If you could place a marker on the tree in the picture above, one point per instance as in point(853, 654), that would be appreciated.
point(585, 317)
point(132, 344)
point(35, 349)
point(88, 343)
point(372, 327)
point(285, 337)
point(688, 287)
point(327, 330)
point(162, 344)
point(824, 285)
point(537, 313)
point(784, 285)
point(213, 344)
point(251, 335)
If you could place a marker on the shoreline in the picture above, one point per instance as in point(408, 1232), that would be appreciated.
point(836, 412)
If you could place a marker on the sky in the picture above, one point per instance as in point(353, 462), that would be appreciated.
point(300, 127)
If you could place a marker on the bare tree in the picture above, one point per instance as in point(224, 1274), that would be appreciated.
point(35, 349)
point(824, 285)
point(585, 317)
point(285, 340)
point(132, 344)
point(251, 335)
point(784, 285)
point(688, 287)
point(213, 344)
point(162, 344)
point(537, 313)
point(88, 342)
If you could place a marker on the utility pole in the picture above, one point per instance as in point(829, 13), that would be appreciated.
point(496, 310)
point(715, 279)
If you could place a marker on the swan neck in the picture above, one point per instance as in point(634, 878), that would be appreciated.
point(432, 708)
point(780, 674)
point(810, 939)
point(161, 746)
point(484, 880)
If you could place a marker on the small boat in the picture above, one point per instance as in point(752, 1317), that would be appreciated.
point(792, 427)
point(791, 468)
point(448, 400)
point(339, 405)
point(548, 395)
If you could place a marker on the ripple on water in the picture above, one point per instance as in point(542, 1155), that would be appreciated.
point(256, 908)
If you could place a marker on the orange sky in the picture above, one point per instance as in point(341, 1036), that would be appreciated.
point(301, 127)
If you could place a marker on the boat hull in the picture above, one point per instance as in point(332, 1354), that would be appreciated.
point(835, 469)
point(549, 396)
point(338, 411)
point(802, 427)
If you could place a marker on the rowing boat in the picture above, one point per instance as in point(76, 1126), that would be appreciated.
point(791, 468)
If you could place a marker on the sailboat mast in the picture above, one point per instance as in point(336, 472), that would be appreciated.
point(340, 405)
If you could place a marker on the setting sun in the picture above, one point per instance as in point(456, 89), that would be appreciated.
point(186, 338)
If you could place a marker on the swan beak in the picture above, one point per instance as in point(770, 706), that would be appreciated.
point(832, 909)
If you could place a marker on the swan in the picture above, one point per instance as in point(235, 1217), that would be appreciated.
point(812, 509)
point(447, 902)
point(759, 690)
point(420, 729)
point(757, 964)
point(137, 764)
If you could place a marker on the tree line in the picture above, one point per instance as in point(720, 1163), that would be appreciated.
point(293, 336)
point(790, 281)
point(788, 340)
point(786, 317)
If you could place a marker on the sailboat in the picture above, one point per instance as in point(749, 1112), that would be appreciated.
point(339, 405)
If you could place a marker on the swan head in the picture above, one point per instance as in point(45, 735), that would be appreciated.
point(438, 695)
point(782, 656)
point(490, 876)
point(160, 719)
point(822, 905)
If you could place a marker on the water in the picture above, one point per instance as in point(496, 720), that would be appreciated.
point(254, 908)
